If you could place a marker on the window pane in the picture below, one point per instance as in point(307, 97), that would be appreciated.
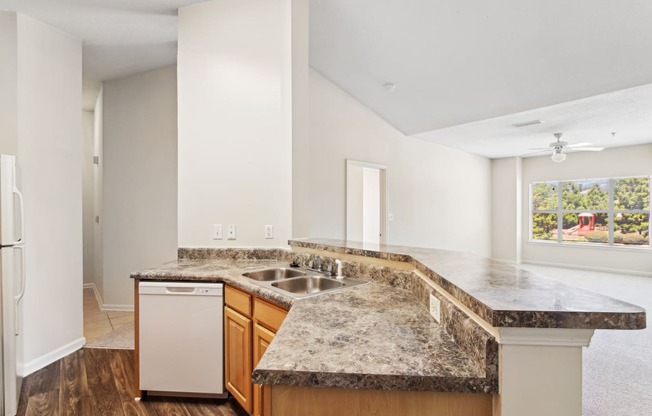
point(544, 196)
point(631, 229)
point(632, 193)
point(586, 227)
point(591, 194)
point(544, 226)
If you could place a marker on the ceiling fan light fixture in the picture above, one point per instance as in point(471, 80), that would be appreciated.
point(558, 156)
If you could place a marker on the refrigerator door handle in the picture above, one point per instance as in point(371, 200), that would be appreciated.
point(20, 239)
point(20, 295)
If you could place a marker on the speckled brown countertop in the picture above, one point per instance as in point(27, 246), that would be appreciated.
point(500, 293)
point(368, 337)
point(371, 336)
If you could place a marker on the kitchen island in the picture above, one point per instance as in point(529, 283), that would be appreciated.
point(507, 341)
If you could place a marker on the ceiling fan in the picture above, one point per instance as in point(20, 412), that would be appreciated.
point(559, 149)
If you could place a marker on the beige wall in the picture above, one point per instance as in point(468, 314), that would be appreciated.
point(88, 193)
point(620, 161)
point(49, 133)
point(139, 179)
point(235, 86)
point(439, 197)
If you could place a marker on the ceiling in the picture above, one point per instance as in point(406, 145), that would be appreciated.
point(467, 63)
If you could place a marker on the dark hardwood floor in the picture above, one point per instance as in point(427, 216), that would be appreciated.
point(98, 382)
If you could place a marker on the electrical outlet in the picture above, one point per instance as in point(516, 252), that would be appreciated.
point(217, 231)
point(390, 217)
point(269, 231)
point(230, 232)
point(435, 308)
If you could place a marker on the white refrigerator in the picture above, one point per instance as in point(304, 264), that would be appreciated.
point(12, 278)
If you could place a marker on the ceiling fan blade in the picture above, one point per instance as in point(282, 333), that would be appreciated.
point(536, 152)
point(586, 149)
point(583, 144)
point(540, 148)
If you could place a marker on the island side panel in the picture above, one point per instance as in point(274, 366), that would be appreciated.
point(137, 391)
point(300, 401)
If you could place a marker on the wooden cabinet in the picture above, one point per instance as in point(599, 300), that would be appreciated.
point(250, 324)
point(262, 338)
point(237, 369)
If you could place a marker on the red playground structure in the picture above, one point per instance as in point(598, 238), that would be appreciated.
point(586, 223)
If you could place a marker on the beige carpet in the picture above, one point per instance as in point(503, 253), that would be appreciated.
point(121, 338)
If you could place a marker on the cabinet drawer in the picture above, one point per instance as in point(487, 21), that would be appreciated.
point(238, 300)
point(268, 315)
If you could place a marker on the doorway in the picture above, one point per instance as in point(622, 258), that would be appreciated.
point(365, 202)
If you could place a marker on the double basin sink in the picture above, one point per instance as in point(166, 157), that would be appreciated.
point(297, 282)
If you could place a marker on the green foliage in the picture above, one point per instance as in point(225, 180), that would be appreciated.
point(632, 193)
point(632, 223)
point(596, 236)
point(544, 197)
point(634, 238)
point(576, 199)
point(543, 226)
point(618, 238)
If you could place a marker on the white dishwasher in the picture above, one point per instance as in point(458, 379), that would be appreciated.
point(181, 332)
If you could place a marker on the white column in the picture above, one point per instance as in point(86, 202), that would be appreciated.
point(541, 371)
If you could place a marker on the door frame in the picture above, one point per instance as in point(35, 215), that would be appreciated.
point(350, 163)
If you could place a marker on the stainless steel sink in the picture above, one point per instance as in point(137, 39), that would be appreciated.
point(299, 283)
point(274, 274)
point(309, 284)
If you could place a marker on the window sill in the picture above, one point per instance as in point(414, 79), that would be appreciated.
point(589, 246)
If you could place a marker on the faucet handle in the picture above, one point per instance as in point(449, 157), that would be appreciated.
point(338, 262)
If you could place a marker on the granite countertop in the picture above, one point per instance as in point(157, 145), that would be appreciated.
point(368, 337)
point(371, 336)
point(500, 293)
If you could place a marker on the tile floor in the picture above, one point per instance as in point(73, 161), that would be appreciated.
point(98, 322)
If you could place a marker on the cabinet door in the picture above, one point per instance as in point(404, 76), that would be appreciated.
point(262, 338)
point(238, 368)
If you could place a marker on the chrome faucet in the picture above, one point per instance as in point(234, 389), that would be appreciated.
point(339, 269)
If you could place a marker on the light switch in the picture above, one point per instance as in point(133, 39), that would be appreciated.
point(230, 232)
point(269, 231)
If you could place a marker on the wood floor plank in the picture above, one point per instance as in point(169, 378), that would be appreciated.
point(44, 404)
point(105, 397)
point(97, 382)
point(73, 388)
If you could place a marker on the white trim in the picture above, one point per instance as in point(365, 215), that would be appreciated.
point(98, 298)
point(588, 268)
point(599, 246)
point(553, 337)
point(117, 307)
point(108, 306)
point(47, 359)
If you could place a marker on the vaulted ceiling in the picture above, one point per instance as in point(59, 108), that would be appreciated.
point(465, 63)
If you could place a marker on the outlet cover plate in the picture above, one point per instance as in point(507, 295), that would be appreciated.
point(269, 232)
point(217, 232)
point(230, 232)
point(435, 308)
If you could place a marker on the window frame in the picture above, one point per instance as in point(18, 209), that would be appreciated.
point(610, 211)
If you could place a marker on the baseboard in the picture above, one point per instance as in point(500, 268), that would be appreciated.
point(47, 359)
point(108, 306)
point(98, 297)
point(587, 268)
point(117, 307)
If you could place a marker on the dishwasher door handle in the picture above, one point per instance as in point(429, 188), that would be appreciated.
point(173, 290)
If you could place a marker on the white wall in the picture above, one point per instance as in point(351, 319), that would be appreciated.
point(139, 179)
point(371, 205)
point(235, 87)
point(88, 193)
point(621, 161)
point(49, 155)
point(98, 227)
point(8, 84)
point(440, 197)
point(506, 213)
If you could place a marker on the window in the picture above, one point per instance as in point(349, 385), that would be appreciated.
point(613, 212)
